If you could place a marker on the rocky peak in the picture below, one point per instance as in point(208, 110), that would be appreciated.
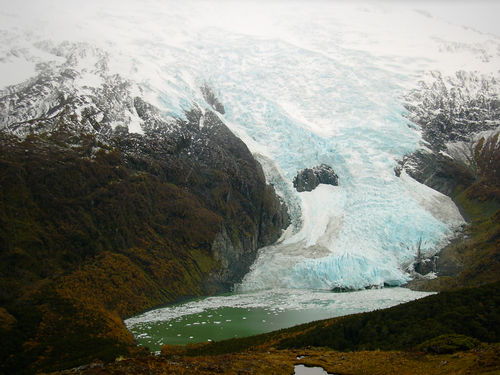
point(452, 109)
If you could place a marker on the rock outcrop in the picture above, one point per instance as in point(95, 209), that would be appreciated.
point(309, 178)
point(212, 99)
point(453, 113)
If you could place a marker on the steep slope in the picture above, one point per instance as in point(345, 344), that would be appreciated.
point(98, 223)
point(300, 96)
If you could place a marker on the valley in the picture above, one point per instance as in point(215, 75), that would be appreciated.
point(226, 176)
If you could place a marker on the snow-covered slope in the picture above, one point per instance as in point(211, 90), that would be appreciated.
point(303, 83)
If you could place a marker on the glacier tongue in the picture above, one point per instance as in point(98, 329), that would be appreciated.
point(356, 237)
point(302, 83)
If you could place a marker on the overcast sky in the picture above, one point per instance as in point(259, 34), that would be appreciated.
point(480, 15)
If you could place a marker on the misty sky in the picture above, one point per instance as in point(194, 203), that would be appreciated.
point(481, 15)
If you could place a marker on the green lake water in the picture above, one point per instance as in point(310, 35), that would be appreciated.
point(239, 315)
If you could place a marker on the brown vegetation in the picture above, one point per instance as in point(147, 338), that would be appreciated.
point(477, 255)
point(91, 233)
point(483, 360)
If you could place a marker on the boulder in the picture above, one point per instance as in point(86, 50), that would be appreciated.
point(309, 178)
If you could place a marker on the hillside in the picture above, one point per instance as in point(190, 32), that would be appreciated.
point(98, 224)
point(439, 334)
point(458, 117)
point(153, 152)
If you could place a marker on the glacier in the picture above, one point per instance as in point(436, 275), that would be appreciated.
point(303, 83)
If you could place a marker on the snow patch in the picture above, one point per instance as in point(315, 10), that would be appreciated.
point(14, 71)
point(135, 122)
point(439, 205)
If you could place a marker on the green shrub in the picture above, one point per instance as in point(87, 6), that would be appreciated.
point(447, 344)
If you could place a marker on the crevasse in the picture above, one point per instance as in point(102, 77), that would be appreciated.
point(300, 108)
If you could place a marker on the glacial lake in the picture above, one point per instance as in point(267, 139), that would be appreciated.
point(245, 314)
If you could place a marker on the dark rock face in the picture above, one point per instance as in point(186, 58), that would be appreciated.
point(253, 214)
point(424, 266)
point(309, 178)
point(211, 99)
point(436, 171)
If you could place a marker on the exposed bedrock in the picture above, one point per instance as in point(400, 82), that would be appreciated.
point(309, 178)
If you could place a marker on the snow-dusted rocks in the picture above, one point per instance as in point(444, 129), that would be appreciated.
point(454, 108)
point(454, 113)
point(211, 99)
point(79, 91)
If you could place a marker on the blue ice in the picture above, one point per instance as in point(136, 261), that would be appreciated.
point(299, 108)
